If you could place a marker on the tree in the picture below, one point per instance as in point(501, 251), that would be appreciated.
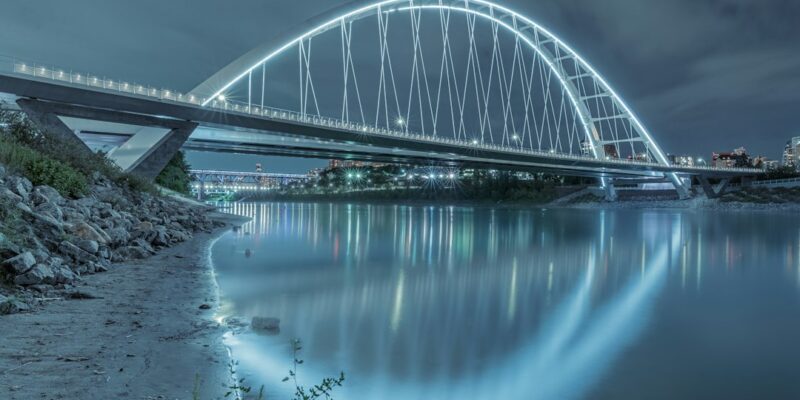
point(175, 175)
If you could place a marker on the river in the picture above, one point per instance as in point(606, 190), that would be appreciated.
point(415, 302)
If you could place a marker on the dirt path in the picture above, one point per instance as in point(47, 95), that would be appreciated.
point(143, 337)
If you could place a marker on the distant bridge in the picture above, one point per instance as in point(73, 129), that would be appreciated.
point(466, 83)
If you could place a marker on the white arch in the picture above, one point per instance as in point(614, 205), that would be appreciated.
point(531, 33)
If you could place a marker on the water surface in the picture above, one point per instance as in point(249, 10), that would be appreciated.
point(482, 303)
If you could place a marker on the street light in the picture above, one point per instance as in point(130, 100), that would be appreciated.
point(400, 122)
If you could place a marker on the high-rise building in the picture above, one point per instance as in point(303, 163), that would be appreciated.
point(791, 152)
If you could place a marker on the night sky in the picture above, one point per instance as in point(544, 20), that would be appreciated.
point(703, 75)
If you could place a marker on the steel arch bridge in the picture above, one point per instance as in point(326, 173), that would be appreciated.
point(460, 83)
point(470, 71)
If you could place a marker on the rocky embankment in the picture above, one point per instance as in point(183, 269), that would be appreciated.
point(48, 242)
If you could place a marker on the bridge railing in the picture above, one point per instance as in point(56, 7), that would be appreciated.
point(69, 77)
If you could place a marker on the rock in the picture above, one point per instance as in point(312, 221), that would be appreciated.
point(87, 232)
point(143, 244)
point(76, 253)
point(81, 294)
point(12, 306)
point(271, 325)
point(144, 226)
point(23, 207)
point(51, 209)
point(90, 246)
point(7, 196)
point(63, 274)
point(46, 194)
point(205, 306)
point(119, 236)
point(160, 238)
point(8, 248)
point(20, 264)
point(2, 172)
point(132, 253)
point(48, 224)
point(39, 274)
point(20, 186)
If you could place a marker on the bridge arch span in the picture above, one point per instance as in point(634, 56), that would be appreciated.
point(605, 123)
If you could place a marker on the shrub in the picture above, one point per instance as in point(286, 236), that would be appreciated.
point(20, 131)
point(41, 169)
point(175, 175)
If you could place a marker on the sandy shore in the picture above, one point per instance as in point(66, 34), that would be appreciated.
point(144, 336)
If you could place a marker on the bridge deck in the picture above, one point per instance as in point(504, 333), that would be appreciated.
point(328, 138)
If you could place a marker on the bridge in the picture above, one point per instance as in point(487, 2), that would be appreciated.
point(211, 181)
point(467, 83)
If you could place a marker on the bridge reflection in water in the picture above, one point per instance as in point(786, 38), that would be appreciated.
point(447, 302)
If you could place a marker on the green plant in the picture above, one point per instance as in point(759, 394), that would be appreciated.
point(175, 175)
point(41, 169)
point(22, 133)
point(324, 389)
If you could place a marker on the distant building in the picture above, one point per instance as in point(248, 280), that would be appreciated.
point(684, 161)
point(766, 164)
point(259, 169)
point(791, 153)
point(333, 164)
point(736, 158)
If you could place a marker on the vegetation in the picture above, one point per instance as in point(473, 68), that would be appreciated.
point(40, 157)
point(175, 175)
point(41, 169)
point(395, 183)
point(784, 172)
point(323, 390)
point(763, 196)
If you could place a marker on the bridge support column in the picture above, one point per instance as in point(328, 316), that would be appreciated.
point(145, 154)
point(610, 190)
point(680, 186)
point(711, 191)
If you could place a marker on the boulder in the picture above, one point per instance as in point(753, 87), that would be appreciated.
point(76, 253)
point(46, 194)
point(90, 246)
point(20, 186)
point(47, 224)
point(20, 264)
point(119, 236)
point(85, 231)
point(270, 325)
point(7, 196)
point(63, 274)
point(132, 253)
point(51, 209)
point(39, 274)
point(12, 306)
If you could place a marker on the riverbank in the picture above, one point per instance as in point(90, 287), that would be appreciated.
point(137, 331)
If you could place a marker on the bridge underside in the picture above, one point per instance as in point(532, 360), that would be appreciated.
point(87, 111)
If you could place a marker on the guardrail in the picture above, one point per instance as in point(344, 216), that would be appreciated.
point(69, 77)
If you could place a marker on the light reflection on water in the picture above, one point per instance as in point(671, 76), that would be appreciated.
point(481, 303)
